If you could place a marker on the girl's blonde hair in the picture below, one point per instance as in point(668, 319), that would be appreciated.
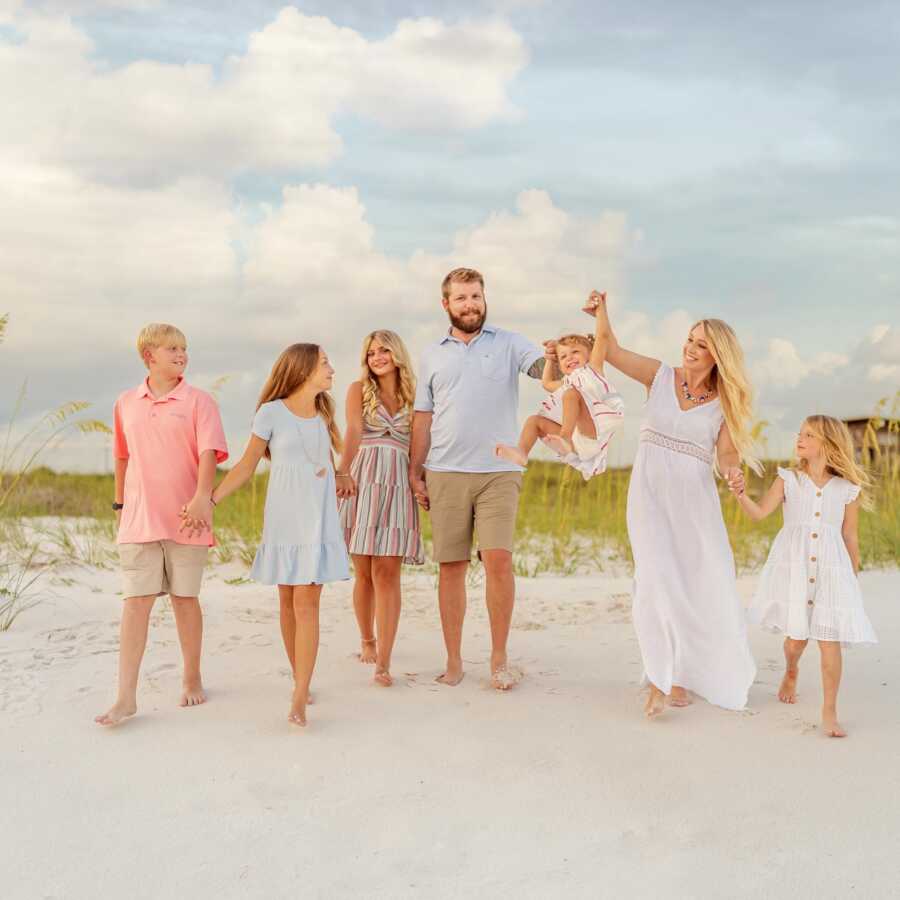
point(729, 380)
point(572, 340)
point(837, 448)
point(406, 380)
point(156, 334)
point(290, 372)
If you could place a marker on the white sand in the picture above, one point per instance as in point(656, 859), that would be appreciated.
point(558, 789)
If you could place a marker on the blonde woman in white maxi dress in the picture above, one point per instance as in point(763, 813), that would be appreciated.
point(687, 614)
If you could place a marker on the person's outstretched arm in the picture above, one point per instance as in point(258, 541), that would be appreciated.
point(419, 445)
point(769, 502)
point(346, 487)
point(242, 471)
point(634, 365)
point(549, 381)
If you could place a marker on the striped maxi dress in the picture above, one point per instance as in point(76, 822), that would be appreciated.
point(383, 518)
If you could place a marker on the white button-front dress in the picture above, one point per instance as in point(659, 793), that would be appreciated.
point(807, 588)
point(689, 620)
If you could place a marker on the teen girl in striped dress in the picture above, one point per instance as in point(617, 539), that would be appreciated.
point(377, 509)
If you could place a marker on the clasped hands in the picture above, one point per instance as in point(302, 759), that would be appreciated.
point(196, 516)
point(594, 301)
point(345, 486)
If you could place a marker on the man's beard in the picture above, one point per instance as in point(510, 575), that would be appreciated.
point(468, 327)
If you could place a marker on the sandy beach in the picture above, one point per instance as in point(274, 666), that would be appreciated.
point(560, 788)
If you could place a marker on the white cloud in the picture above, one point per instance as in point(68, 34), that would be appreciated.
point(270, 109)
point(782, 367)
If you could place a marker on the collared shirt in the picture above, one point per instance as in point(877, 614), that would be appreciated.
point(473, 391)
point(162, 439)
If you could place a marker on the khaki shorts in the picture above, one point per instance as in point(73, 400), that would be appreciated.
point(463, 502)
point(162, 567)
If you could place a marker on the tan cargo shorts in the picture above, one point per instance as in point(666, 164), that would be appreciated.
point(162, 567)
point(461, 503)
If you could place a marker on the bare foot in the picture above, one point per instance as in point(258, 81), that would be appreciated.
point(297, 715)
point(680, 697)
point(367, 652)
point(503, 676)
point(511, 454)
point(787, 693)
point(558, 443)
point(383, 678)
point(192, 694)
point(656, 702)
point(121, 709)
point(830, 725)
point(452, 676)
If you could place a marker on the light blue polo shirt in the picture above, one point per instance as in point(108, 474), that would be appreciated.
point(473, 391)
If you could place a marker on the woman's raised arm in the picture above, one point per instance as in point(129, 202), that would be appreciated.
point(634, 365)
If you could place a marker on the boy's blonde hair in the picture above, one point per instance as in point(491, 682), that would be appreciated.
point(406, 380)
point(155, 335)
point(837, 448)
point(460, 276)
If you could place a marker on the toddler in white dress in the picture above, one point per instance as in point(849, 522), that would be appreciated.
point(808, 587)
point(582, 412)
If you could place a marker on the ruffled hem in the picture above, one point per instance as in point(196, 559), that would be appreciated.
point(849, 626)
point(301, 563)
point(386, 542)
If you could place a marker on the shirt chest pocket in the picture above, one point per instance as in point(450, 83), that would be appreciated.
point(493, 366)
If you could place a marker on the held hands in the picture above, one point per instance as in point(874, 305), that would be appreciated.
point(594, 301)
point(420, 491)
point(550, 351)
point(735, 478)
point(346, 486)
point(196, 516)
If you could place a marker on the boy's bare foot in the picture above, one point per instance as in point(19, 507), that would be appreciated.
point(787, 693)
point(503, 677)
point(192, 693)
point(383, 678)
point(297, 715)
point(830, 725)
point(367, 651)
point(558, 443)
point(452, 676)
point(680, 697)
point(117, 712)
point(656, 702)
point(511, 454)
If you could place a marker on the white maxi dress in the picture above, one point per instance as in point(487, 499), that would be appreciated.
point(688, 617)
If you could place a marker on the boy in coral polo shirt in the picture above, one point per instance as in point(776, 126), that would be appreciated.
point(168, 439)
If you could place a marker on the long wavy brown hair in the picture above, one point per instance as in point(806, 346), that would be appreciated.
point(291, 371)
point(406, 380)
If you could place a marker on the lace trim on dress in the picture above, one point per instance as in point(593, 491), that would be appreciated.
point(687, 447)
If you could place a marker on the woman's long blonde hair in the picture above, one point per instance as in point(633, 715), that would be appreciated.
point(290, 372)
point(406, 380)
point(837, 448)
point(731, 384)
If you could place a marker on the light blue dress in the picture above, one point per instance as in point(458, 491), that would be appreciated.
point(302, 541)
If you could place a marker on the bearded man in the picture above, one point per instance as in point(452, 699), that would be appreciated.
point(466, 403)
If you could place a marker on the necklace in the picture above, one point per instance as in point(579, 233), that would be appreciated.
point(699, 398)
point(320, 472)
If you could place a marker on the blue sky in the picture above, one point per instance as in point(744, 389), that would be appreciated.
point(249, 171)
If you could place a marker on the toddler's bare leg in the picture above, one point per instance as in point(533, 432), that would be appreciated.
point(535, 427)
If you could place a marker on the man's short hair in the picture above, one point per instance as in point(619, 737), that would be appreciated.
point(460, 276)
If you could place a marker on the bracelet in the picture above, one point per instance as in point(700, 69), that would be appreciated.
point(341, 474)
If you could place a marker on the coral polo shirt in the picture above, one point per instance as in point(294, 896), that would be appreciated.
point(162, 439)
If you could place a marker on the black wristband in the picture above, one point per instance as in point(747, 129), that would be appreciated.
point(118, 506)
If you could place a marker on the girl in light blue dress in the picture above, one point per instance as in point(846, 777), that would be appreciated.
point(302, 544)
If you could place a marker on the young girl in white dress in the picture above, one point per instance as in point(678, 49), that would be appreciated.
point(582, 412)
point(808, 587)
point(302, 544)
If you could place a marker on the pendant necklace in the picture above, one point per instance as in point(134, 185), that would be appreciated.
point(320, 472)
